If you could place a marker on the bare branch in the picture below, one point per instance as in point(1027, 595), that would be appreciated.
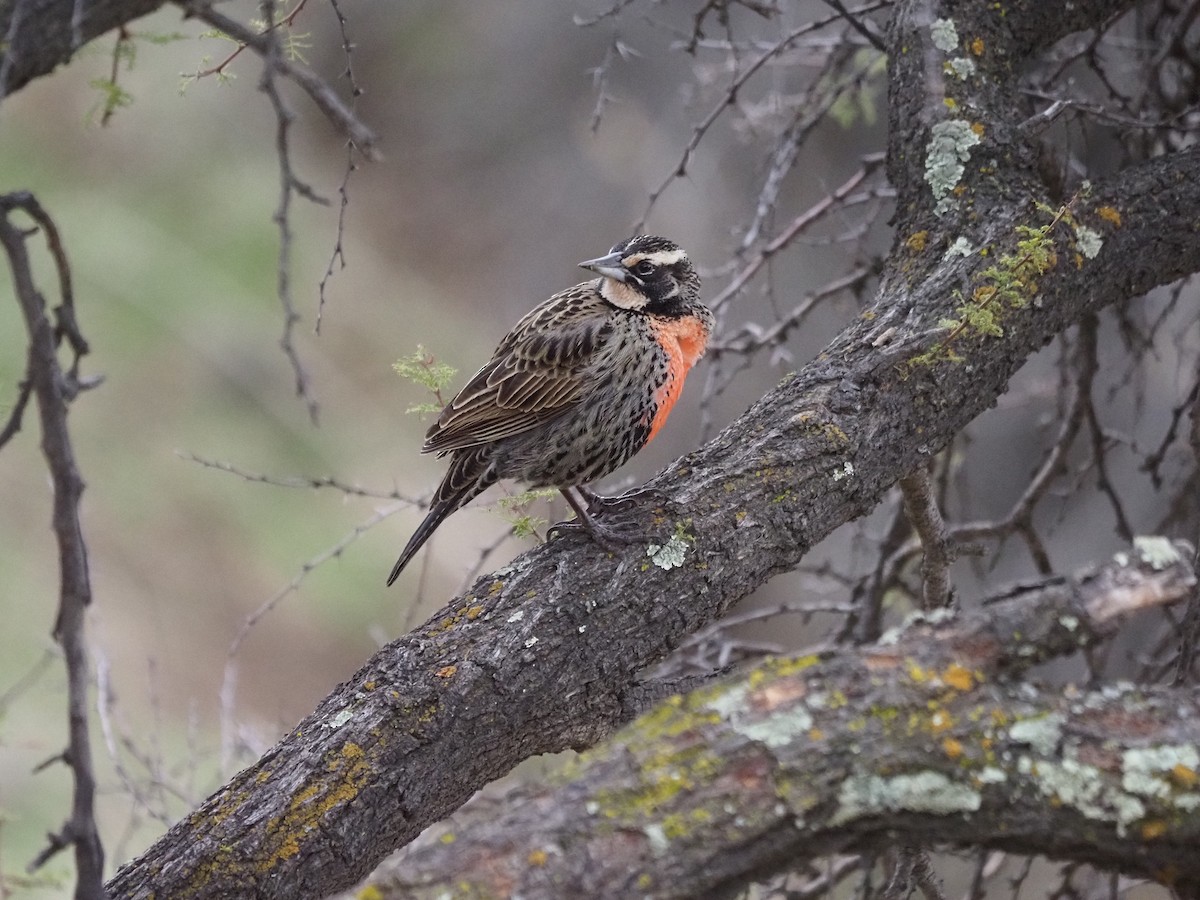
point(937, 550)
point(52, 388)
point(326, 99)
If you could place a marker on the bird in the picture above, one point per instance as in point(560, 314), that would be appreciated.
point(579, 385)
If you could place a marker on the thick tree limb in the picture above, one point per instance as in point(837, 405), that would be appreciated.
point(925, 735)
point(545, 653)
point(41, 35)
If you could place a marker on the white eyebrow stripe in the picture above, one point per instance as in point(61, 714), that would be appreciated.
point(659, 257)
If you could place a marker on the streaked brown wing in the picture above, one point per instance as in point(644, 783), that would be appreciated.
point(539, 371)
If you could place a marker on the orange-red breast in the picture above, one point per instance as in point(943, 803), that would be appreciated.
point(583, 382)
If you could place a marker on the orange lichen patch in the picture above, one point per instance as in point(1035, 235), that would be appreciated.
point(977, 46)
point(916, 242)
point(1109, 214)
point(816, 734)
point(978, 128)
point(1184, 777)
point(1153, 828)
point(538, 858)
point(446, 671)
point(347, 770)
point(368, 685)
point(474, 612)
point(958, 677)
point(952, 748)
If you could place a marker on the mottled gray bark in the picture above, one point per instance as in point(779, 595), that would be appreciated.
point(928, 739)
point(41, 35)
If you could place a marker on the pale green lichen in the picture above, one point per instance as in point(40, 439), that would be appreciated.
point(923, 792)
point(1041, 734)
point(669, 555)
point(657, 837)
point(960, 247)
point(1083, 787)
point(780, 729)
point(1088, 240)
point(1159, 772)
point(946, 154)
point(1156, 552)
point(339, 719)
point(991, 775)
point(962, 67)
point(944, 34)
point(729, 702)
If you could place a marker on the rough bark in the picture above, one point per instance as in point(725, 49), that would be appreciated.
point(930, 734)
point(41, 35)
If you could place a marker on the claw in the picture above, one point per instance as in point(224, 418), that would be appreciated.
point(608, 538)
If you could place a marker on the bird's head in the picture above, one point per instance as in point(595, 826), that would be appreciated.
point(647, 274)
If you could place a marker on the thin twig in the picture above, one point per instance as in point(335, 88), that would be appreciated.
point(312, 482)
point(937, 548)
point(326, 99)
point(731, 96)
point(797, 227)
point(339, 253)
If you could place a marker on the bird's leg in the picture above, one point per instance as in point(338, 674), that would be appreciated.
point(608, 538)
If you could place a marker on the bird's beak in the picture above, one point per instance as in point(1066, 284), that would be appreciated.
point(608, 266)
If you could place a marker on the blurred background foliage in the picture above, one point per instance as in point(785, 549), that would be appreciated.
point(494, 183)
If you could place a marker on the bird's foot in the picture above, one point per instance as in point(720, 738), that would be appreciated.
point(599, 503)
point(609, 538)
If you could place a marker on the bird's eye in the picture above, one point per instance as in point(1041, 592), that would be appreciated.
point(644, 268)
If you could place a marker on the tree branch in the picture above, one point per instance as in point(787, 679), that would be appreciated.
point(926, 735)
point(41, 35)
point(53, 390)
point(319, 91)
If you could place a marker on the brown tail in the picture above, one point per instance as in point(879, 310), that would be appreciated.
point(469, 475)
